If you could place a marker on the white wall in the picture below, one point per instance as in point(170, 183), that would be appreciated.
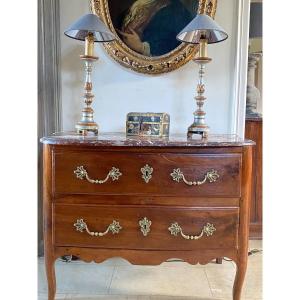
point(119, 90)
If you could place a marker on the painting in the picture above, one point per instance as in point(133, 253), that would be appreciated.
point(146, 31)
point(149, 27)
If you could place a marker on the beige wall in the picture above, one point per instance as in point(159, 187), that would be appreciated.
point(119, 90)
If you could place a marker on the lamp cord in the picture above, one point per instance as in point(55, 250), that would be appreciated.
point(67, 258)
point(251, 252)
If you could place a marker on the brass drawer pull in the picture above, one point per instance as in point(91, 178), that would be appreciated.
point(211, 176)
point(114, 227)
point(81, 173)
point(208, 229)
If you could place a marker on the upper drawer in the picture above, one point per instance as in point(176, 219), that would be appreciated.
point(88, 172)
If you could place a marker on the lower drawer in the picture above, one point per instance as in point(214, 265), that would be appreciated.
point(141, 227)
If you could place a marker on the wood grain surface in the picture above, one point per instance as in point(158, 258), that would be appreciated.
point(224, 203)
point(194, 167)
point(191, 220)
point(254, 130)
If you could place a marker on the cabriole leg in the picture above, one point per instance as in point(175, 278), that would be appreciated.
point(50, 271)
point(239, 280)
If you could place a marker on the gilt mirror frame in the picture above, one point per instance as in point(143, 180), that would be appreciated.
point(129, 58)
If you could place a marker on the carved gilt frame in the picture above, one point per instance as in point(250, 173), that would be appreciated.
point(120, 52)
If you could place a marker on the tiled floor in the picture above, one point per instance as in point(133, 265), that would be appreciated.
point(116, 279)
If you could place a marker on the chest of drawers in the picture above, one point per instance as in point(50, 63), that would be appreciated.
point(146, 201)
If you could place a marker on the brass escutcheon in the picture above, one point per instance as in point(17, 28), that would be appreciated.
point(147, 173)
point(145, 226)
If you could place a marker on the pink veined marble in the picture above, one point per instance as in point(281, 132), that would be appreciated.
point(120, 140)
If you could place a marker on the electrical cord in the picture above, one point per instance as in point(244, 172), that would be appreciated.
point(68, 258)
point(254, 251)
point(251, 252)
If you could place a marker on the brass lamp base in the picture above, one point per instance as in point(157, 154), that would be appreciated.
point(199, 130)
point(83, 128)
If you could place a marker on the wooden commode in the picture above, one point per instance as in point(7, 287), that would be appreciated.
point(146, 201)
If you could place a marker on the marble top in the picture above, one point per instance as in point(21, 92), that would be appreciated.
point(254, 117)
point(120, 140)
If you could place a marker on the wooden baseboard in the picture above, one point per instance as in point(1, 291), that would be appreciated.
point(256, 231)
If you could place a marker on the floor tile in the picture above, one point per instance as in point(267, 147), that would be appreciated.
point(255, 260)
point(182, 298)
point(57, 297)
point(117, 279)
point(78, 278)
point(225, 265)
point(106, 297)
point(120, 262)
point(178, 263)
point(95, 297)
point(111, 262)
point(255, 244)
point(253, 283)
point(146, 280)
point(221, 281)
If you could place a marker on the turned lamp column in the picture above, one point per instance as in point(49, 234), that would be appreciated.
point(199, 126)
point(202, 30)
point(90, 29)
point(87, 123)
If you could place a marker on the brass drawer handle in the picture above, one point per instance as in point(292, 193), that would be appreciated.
point(114, 227)
point(208, 229)
point(211, 176)
point(81, 173)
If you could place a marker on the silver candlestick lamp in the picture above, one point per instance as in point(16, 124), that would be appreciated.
point(202, 30)
point(90, 29)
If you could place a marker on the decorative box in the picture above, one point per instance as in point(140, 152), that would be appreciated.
point(148, 124)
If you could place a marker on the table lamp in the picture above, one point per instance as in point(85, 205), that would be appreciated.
point(202, 30)
point(89, 28)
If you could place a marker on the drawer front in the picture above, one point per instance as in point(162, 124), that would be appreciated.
point(132, 227)
point(156, 174)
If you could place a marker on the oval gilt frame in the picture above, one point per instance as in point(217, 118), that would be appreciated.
point(128, 58)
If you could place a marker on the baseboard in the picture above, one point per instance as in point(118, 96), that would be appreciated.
point(255, 231)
